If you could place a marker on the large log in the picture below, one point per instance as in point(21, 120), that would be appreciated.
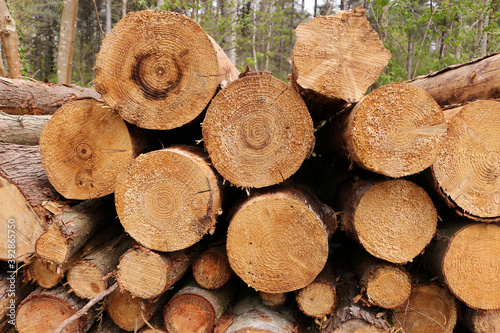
point(45, 309)
point(37, 98)
point(394, 220)
point(336, 58)
point(211, 269)
point(21, 129)
point(168, 74)
point(168, 199)
point(458, 84)
point(481, 321)
point(465, 256)
point(85, 146)
point(257, 131)
point(467, 170)
point(397, 130)
point(277, 239)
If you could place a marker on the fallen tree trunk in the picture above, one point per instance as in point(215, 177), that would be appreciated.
point(211, 269)
point(21, 129)
point(19, 97)
point(459, 84)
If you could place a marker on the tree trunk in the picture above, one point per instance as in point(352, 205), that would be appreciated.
point(430, 308)
point(267, 136)
point(194, 309)
point(411, 54)
point(394, 220)
point(45, 309)
point(397, 130)
point(89, 276)
point(164, 189)
point(167, 76)
point(465, 257)
point(230, 13)
point(20, 224)
point(124, 8)
point(273, 300)
point(67, 41)
point(383, 284)
point(3, 72)
point(85, 146)
point(108, 17)
point(10, 41)
point(19, 97)
point(335, 59)
point(466, 172)
point(21, 130)
point(162, 270)
point(284, 225)
point(482, 321)
point(458, 84)
point(70, 230)
point(211, 269)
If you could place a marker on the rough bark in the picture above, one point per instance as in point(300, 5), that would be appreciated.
point(394, 220)
point(21, 130)
point(466, 171)
point(66, 41)
point(481, 321)
point(397, 130)
point(277, 239)
point(85, 146)
point(196, 310)
point(10, 41)
point(430, 308)
point(148, 274)
point(164, 189)
point(257, 131)
point(211, 269)
point(167, 76)
point(459, 84)
point(37, 98)
point(336, 59)
point(273, 300)
point(45, 309)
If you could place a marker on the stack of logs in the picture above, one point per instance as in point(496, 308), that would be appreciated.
point(309, 206)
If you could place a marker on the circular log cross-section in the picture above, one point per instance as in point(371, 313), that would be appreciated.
point(387, 286)
point(168, 199)
point(276, 242)
point(467, 171)
point(84, 147)
point(211, 269)
point(157, 69)
point(129, 312)
point(257, 131)
point(394, 220)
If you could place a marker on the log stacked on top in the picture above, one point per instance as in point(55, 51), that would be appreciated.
point(162, 244)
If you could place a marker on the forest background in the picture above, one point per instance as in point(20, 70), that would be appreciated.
point(422, 35)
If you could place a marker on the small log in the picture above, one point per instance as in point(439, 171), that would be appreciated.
point(168, 199)
point(148, 274)
point(89, 276)
point(167, 76)
point(257, 131)
point(458, 84)
point(129, 312)
point(37, 98)
point(336, 58)
point(430, 308)
point(45, 309)
point(319, 298)
point(70, 230)
point(394, 220)
point(273, 300)
point(195, 309)
point(481, 321)
point(277, 240)
point(21, 129)
point(84, 147)
point(46, 274)
point(397, 130)
point(19, 224)
point(384, 284)
point(465, 256)
point(358, 326)
point(466, 171)
point(211, 269)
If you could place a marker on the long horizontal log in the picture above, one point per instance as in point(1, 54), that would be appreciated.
point(21, 129)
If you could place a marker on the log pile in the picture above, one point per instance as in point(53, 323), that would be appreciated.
point(308, 206)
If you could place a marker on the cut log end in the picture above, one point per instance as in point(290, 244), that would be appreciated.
point(86, 280)
point(211, 269)
point(467, 169)
point(258, 131)
point(168, 74)
point(45, 273)
point(84, 146)
point(317, 300)
point(388, 286)
point(189, 313)
point(124, 310)
point(53, 245)
point(273, 300)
